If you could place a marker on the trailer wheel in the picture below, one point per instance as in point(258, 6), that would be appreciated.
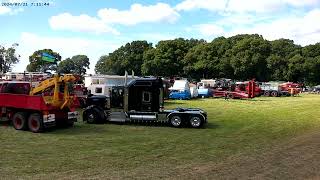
point(266, 93)
point(196, 121)
point(35, 123)
point(19, 121)
point(274, 93)
point(175, 121)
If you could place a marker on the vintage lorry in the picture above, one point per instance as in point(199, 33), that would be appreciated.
point(36, 109)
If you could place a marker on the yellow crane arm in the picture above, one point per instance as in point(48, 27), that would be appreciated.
point(54, 83)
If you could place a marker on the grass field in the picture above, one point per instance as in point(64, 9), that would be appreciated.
point(237, 130)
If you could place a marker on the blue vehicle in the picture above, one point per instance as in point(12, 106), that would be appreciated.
point(180, 94)
point(204, 92)
point(180, 90)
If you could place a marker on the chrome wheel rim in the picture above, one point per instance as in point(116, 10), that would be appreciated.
point(176, 121)
point(195, 121)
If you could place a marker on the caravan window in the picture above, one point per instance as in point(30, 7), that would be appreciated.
point(98, 90)
point(146, 96)
point(95, 81)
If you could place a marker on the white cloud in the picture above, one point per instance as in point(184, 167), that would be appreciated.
point(213, 5)
point(81, 23)
point(4, 10)
point(210, 29)
point(138, 13)
point(155, 37)
point(254, 6)
point(258, 6)
point(302, 3)
point(303, 30)
point(66, 47)
point(10, 11)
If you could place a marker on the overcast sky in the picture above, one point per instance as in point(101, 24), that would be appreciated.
point(97, 27)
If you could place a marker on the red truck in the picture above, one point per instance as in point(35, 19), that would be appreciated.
point(276, 89)
point(36, 109)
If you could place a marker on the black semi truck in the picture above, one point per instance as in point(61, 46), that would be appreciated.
point(140, 101)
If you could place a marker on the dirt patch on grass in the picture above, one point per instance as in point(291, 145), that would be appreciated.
point(298, 158)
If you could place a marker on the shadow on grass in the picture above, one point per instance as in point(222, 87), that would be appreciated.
point(162, 124)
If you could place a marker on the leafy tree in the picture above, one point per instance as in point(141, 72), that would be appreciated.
point(76, 65)
point(66, 66)
point(36, 64)
point(296, 70)
point(208, 60)
point(240, 57)
point(281, 51)
point(167, 57)
point(8, 57)
point(126, 58)
point(248, 58)
point(311, 50)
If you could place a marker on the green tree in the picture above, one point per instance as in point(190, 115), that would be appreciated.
point(311, 55)
point(77, 65)
point(281, 51)
point(296, 69)
point(167, 58)
point(36, 64)
point(8, 57)
point(248, 58)
point(208, 60)
point(66, 66)
point(126, 58)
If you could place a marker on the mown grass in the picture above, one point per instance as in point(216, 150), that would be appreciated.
point(111, 151)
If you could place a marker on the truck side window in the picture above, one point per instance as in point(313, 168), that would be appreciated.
point(146, 96)
point(98, 90)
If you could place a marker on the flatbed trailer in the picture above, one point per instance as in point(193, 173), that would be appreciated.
point(247, 90)
point(140, 101)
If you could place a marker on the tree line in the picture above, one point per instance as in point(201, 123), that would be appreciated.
point(240, 57)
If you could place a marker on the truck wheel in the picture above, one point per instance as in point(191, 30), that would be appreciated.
point(266, 93)
point(175, 121)
point(93, 115)
point(230, 96)
point(196, 121)
point(19, 121)
point(274, 93)
point(35, 123)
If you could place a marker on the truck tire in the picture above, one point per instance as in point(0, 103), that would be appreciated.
point(196, 121)
point(230, 96)
point(19, 121)
point(93, 115)
point(35, 123)
point(175, 120)
point(266, 93)
point(274, 93)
